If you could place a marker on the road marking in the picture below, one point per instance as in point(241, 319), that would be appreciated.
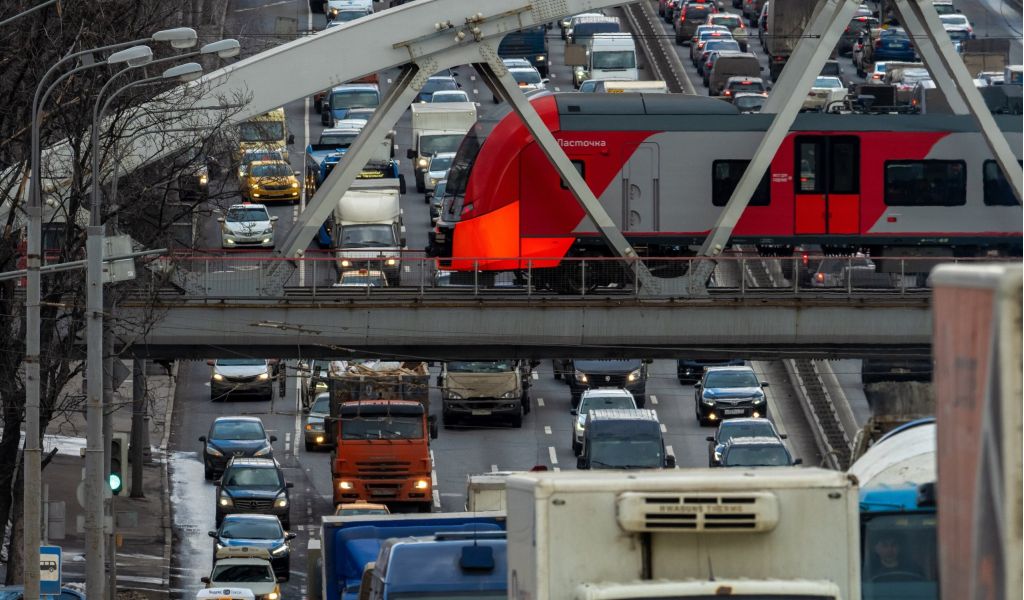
point(663, 428)
point(557, 469)
point(540, 401)
point(472, 77)
point(558, 89)
point(476, 91)
point(300, 527)
point(288, 437)
point(437, 499)
point(654, 399)
point(287, 447)
point(298, 401)
point(494, 468)
point(547, 429)
point(406, 268)
point(535, 376)
point(552, 456)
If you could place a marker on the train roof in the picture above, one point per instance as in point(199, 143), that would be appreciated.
point(904, 457)
point(686, 112)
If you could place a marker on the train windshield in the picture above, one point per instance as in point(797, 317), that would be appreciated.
point(900, 559)
point(462, 165)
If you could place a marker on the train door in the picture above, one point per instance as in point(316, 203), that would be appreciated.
point(827, 184)
point(640, 189)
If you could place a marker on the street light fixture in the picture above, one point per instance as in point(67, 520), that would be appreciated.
point(178, 38)
point(224, 48)
point(136, 56)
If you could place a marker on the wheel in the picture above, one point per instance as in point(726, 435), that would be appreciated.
point(318, 106)
point(310, 447)
point(576, 448)
point(425, 507)
point(526, 405)
point(641, 401)
point(679, 41)
point(575, 400)
point(517, 421)
point(421, 186)
point(861, 72)
point(426, 198)
point(207, 473)
point(558, 374)
point(447, 419)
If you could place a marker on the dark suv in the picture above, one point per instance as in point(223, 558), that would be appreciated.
point(691, 15)
point(629, 374)
point(232, 437)
point(691, 370)
point(253, 485)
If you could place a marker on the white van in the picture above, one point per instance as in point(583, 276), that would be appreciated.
point(612, 56)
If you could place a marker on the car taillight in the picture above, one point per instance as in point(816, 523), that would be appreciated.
point(806, 259)
point(727, 93)
point(820, 277)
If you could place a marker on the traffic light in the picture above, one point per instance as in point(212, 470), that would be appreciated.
point(118, 462)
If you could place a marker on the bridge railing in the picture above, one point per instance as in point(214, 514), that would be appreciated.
point(243, 274)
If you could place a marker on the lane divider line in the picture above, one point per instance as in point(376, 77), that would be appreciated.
point(654, 399)
point(540, 402)
point(552, 455)
point(494, 468)
point(547, 429)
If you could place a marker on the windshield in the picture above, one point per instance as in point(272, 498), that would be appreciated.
point(899, 557)
point(762, 428)
point(339, 140)
point(618, 59)
point(449, 96)
point(721, 45)
point(746, 86)
point(584, 31)
point(758, 456)
point(241, 362)
point(354, 512)
point(368, 236)
point(321, 405)
point(243, 573)
point(249, 157)
point(912, 76)
point(432, 144)
point(894, 35)
point(253, 530)
point(383, 427)
point(441, 83)
point(730, 379)
point(276, 170)
point(244, 215)
point(261, 131)
point(827, 82)
point(610, 451)
point(349, 15)
point(440, 163)
point(731, 22)
point(237, 430)
point(529, 76)
point(481, 366)
point(590, 403)
point(749, 102)
point(251, 476)
point(588, 86)
point(959, 35)
point(355, 99)
point(953, 19)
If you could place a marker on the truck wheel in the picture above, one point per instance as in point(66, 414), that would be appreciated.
point(641, 401)
point(576, 447)
point(421, 186)
point(425, 507)
point(310, 447)
point(575, 400)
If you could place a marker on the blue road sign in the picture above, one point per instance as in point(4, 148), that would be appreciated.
point(49, 570)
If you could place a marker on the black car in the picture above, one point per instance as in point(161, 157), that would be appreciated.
point(735, 429)
point(629, 374)
point(727, 392)
point(691, 370)
point(255, 531)
point(757, 452)
point(253, 485)
point(233, 437)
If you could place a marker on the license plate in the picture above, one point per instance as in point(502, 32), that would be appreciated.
point(895, 45)
point(733, 411)
point(381, 493)
point(480, 412)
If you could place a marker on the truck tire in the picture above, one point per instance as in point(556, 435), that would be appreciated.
point(576, 448)
point(310, 447)
point(526, 405)
point(425, 507)
point(421, 186)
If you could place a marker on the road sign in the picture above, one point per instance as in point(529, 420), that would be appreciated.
point(49, 570)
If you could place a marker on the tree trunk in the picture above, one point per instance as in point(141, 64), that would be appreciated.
point(15, 554)
point(8, 447)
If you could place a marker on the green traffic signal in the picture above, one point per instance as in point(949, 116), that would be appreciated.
point(114, 479)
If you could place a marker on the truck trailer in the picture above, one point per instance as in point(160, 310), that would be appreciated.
point(786, 22)
point(437, 128)
point(694, 533)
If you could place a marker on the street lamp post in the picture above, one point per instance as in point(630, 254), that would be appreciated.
point(182, 37)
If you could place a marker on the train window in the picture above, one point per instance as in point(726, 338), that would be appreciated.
point(812, 180)
point(725, 176)
point(844, 165)
point(925, 183)
point(997, 188)
point(580, 168)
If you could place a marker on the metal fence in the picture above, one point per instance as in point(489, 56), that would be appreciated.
point(236, 275)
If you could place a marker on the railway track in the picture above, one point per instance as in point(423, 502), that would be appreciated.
point(661, 58)
point(821, 414)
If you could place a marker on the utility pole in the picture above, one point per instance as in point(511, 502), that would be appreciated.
point(138, 425)
point(108, 436)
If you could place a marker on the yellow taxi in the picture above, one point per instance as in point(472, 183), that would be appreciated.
point(270, 180)
point(360, 508)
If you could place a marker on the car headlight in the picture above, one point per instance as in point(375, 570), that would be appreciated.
point(203, 179)
point(454, 396)
point(281, 501)
point(346, 263)
point(225, 501)
point(758, 399)
point(272, 596)
point(718, 456)
point(511, 394)
point(254, 186)
point(578, 426)
point(707, 400)
point(264, 450)
point(391, 262)
point(634, 376)
point(422, 484)
point(315, 426)
point(581, 377)
point(433, 181)
point(295, 185)
point(218, 546)
point(265, 232)
point(422, 163)
point(280, 550)
point(264, 376)
point(344, 485)
point(541, 58)
point(213, 451)
point(218, 377)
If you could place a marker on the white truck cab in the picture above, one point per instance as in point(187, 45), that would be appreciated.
point(611, 56)
point(368, 231)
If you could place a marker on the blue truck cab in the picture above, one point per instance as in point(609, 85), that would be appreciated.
point(531, 44)
point(344, 97)
point(448, 564)
point(347, 544)
point(899, 546)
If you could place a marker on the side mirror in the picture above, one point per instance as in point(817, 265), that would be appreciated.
point(298, 174)
point(574, 412)
point(401, 183)
point(273, 439)
point(798, 461)
point(710, 438)
point(291, 536)
point(545, 80)
point(202, 438)
point(212, 534)
point(432, 425)
point(289, 485)
point(670, 461)
point(410, 153)
point(764, 384)
point(783, 436)
point(291, 139)
point(697, 385)
point(205, 580)
point(210, 362)
point(581, 463)
point(274, 218)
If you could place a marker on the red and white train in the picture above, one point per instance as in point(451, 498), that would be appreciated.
point(664, 166)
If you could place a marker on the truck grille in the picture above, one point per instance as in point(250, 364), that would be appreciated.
point(246, 379)
point(254, 504)
point(382, 469)
point(600, 380)
point(698, 512)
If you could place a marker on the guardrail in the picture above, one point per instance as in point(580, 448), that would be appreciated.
point(243, 274)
